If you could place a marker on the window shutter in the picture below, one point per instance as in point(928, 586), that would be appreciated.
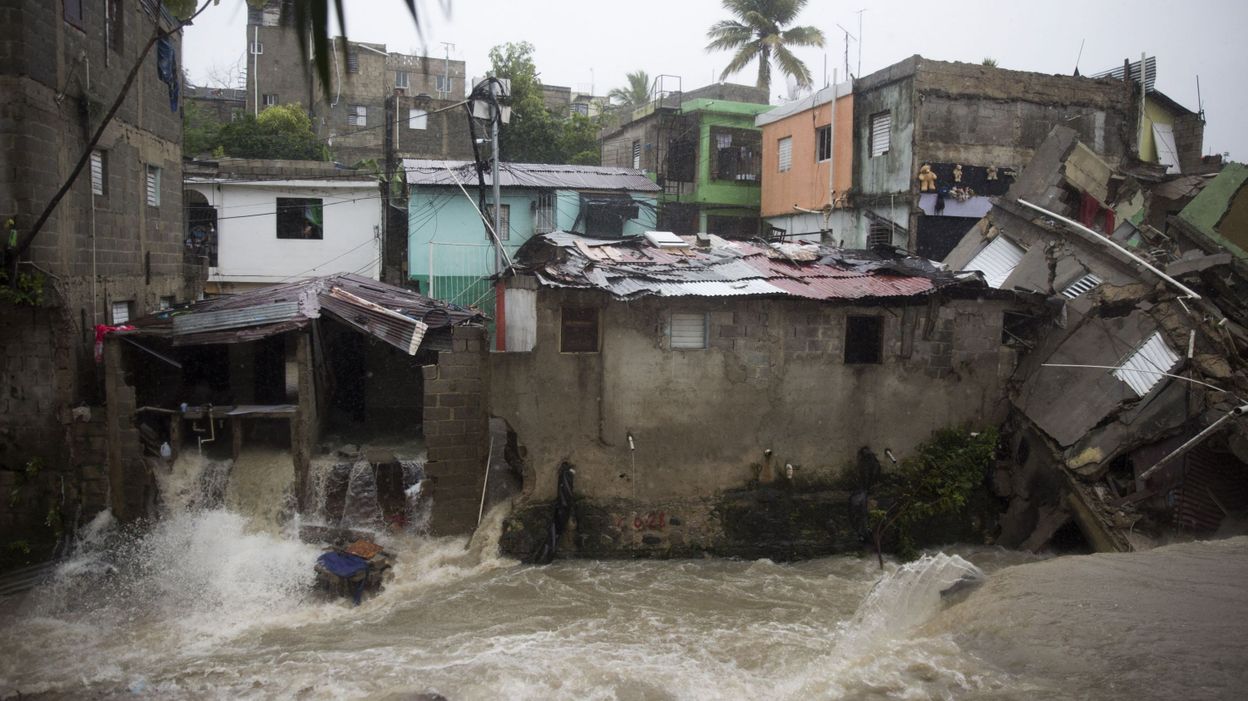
point(688, 330)
point(1143, 369)
point(121, 313)
point(153, 186)
point(996, 261)
point(881, 124)
point(786, 153)
point(97, 172)
point(417, 119)
point(1087, 283)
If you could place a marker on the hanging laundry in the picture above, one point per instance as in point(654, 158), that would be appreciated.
point(167, 70)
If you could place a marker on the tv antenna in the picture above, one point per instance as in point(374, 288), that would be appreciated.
point(848, 37)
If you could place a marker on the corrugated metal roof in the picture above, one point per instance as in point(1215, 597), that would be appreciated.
point(534, 175)
point(629, 268)
point(392, 314)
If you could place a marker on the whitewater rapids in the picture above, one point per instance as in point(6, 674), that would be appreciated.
point(206, 604)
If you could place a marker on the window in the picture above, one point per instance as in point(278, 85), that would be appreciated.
point(122, 311)
point(442, 83)
point(269, 99)
point(785, 149)
point(417, 119)
point(153, 186)
point(879, 234)
point(881, 124)
point(544, 212)
point(300, 218)
point(732, 227)
point(73, 12)
point(353, 61)
point(99, 172)
point(823, 143)
point(256, 48)
point(687, 331)
point(1145, 367)
point(115, 25)
point(166, 303)
point(637, 155)
point(504, 221)
point(734, 155)
point(605, 214)
point(357, 116)
point(996, 261)
point(578, 330)
point(864, 340)
point(580, 108)
point(1087, 283)
point(400, 79)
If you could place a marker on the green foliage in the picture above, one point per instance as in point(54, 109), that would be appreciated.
point(27, 291)
point(937, 481)
point(989, 61)
point(636, 94)
point(534, 135)
point(758, 32)
point(201, 134)
point(281, 131)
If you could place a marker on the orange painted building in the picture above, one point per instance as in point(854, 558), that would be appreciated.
point(808, 162)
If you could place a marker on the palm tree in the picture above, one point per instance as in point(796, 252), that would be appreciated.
point(637, 93)
point(758, 32)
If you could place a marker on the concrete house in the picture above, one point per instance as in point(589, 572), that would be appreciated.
point(369, 87)
point(697, 383)
point(288, 370)
point(1169, 134)
point(703, 149)
point(258, 223)
point(450, 252)
point(807, 166)
point(934, 141)
point(1142, 356)
point(111, 251)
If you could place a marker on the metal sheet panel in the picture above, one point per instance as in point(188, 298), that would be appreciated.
point(531, 175)
point(688, 330)
point(881, 127)
point(234, 318)
point(997, 260)
point(1144, 368)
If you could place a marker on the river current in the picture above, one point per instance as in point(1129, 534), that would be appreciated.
point(209, 603)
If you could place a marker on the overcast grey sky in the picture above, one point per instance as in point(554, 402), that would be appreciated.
point(590, 42)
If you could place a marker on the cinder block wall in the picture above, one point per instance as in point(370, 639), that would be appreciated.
point(456, 431)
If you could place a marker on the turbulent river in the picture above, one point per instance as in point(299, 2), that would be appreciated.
point(209, 603)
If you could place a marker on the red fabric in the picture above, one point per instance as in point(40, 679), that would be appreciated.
point(1088, 209)
point(101, 331)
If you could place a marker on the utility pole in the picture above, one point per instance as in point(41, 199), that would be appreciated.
point(859, 73)
point(446, 70)
point(498, 205)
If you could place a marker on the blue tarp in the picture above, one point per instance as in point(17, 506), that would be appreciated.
point(343, 564)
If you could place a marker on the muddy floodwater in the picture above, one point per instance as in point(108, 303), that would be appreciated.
point(209, 604)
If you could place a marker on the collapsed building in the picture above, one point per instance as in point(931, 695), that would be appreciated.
point(1124, 411)
point(304, 367)
point(712, 395)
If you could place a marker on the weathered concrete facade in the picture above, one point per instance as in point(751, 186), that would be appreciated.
point(657, 433)
point(121, 246)
point(351, 113)
point(972, 116)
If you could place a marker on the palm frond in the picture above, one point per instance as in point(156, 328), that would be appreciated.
point(803, 36)
point(793, 66)
point(741, 59)
point(729, 39)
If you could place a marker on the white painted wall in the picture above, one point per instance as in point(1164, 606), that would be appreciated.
point(248, 249)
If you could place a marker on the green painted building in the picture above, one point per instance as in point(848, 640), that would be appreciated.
point(702, 148)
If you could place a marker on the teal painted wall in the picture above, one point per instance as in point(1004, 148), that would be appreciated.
point(444, 217)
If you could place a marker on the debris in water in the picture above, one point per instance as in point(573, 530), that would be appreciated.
point(361, 567)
